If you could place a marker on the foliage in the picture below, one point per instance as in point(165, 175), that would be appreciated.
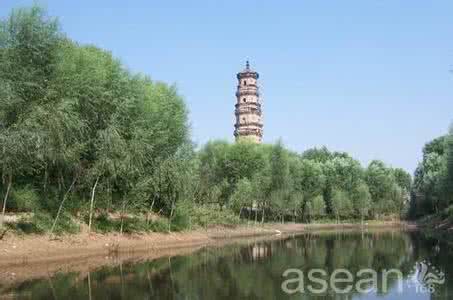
point(362, 201)
point(242, 196)
point(24, 199)
point(318, 207)
point(80, 135)
point(41, 222)
point(341, 204)
point(72, 116)
point(432, 189)
point(206, 215)
point(104, 223)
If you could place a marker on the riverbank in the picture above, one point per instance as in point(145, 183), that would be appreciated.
point(39, 249)
point(437, 222)
point(439, 226)
point(84, 259)
point(25, 257)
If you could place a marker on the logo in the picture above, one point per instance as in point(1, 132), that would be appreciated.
point(425, 277)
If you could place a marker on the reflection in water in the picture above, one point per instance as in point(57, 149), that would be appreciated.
point(254, 271)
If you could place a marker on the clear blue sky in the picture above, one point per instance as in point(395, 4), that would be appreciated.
point(368, 77)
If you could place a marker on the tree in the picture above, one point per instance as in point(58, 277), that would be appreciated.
point(261, 183)
point(362, 201)
point(448, 187)
point(381, 182)
point(398, 198)
point(242, 196)
point(90, 137)
point(318, 206)
point(341, 204)
point(279, 167)
point(28, 43)
point(14, 155)
point(295, 203)
point(307, 176)
point(403, 179)
point(428, 185)
point(341, 173)
point(279, 203)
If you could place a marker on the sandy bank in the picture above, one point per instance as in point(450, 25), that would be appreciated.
point(36, 256)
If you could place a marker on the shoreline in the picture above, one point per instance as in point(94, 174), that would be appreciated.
point(25, 257)
point(15, 249)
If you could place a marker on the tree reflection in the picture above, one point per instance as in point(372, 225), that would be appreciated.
point(254, 271)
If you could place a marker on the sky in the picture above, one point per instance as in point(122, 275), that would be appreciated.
point(372, 78)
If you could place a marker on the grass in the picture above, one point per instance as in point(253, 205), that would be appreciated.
point(186, 217)
point(136, 224)
point(41, 223)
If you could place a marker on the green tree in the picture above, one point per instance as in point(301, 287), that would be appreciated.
point(448, 184)
point(279, 178)
point(318, 206)
point(341, 204)
point(242, 196)
point(362, 201)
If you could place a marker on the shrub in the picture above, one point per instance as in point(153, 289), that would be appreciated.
point(44, 221)
point(182, 216)
point(41, 222)
point(24, 199)
point(159, 225)
point(205, 216)
point(104, 224)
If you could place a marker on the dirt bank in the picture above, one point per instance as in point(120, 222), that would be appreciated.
point(437, 223)
point(36, 256)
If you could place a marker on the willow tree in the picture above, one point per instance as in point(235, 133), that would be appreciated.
point(318, 206)
point(242, 196)
point(448, 182)
point(28, 45)
point(73, 118)
point(362, 201)
point(341, 204)
point(14, 159)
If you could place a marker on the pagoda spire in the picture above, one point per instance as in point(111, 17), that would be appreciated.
point(249, 124)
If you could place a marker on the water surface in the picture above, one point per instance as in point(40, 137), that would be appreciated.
point(254, 270)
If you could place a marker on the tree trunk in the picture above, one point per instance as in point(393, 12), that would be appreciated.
point(93, 192)
point(150, 211)
point(62, 180)
point(171, 216)
point(46, 178)
point(152, 204)
point(2, 219)
point(61, 205)
point(110, 193)
point(123, 209)
point(262, 217)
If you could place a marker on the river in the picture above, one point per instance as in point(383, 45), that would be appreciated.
point(384, 264)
